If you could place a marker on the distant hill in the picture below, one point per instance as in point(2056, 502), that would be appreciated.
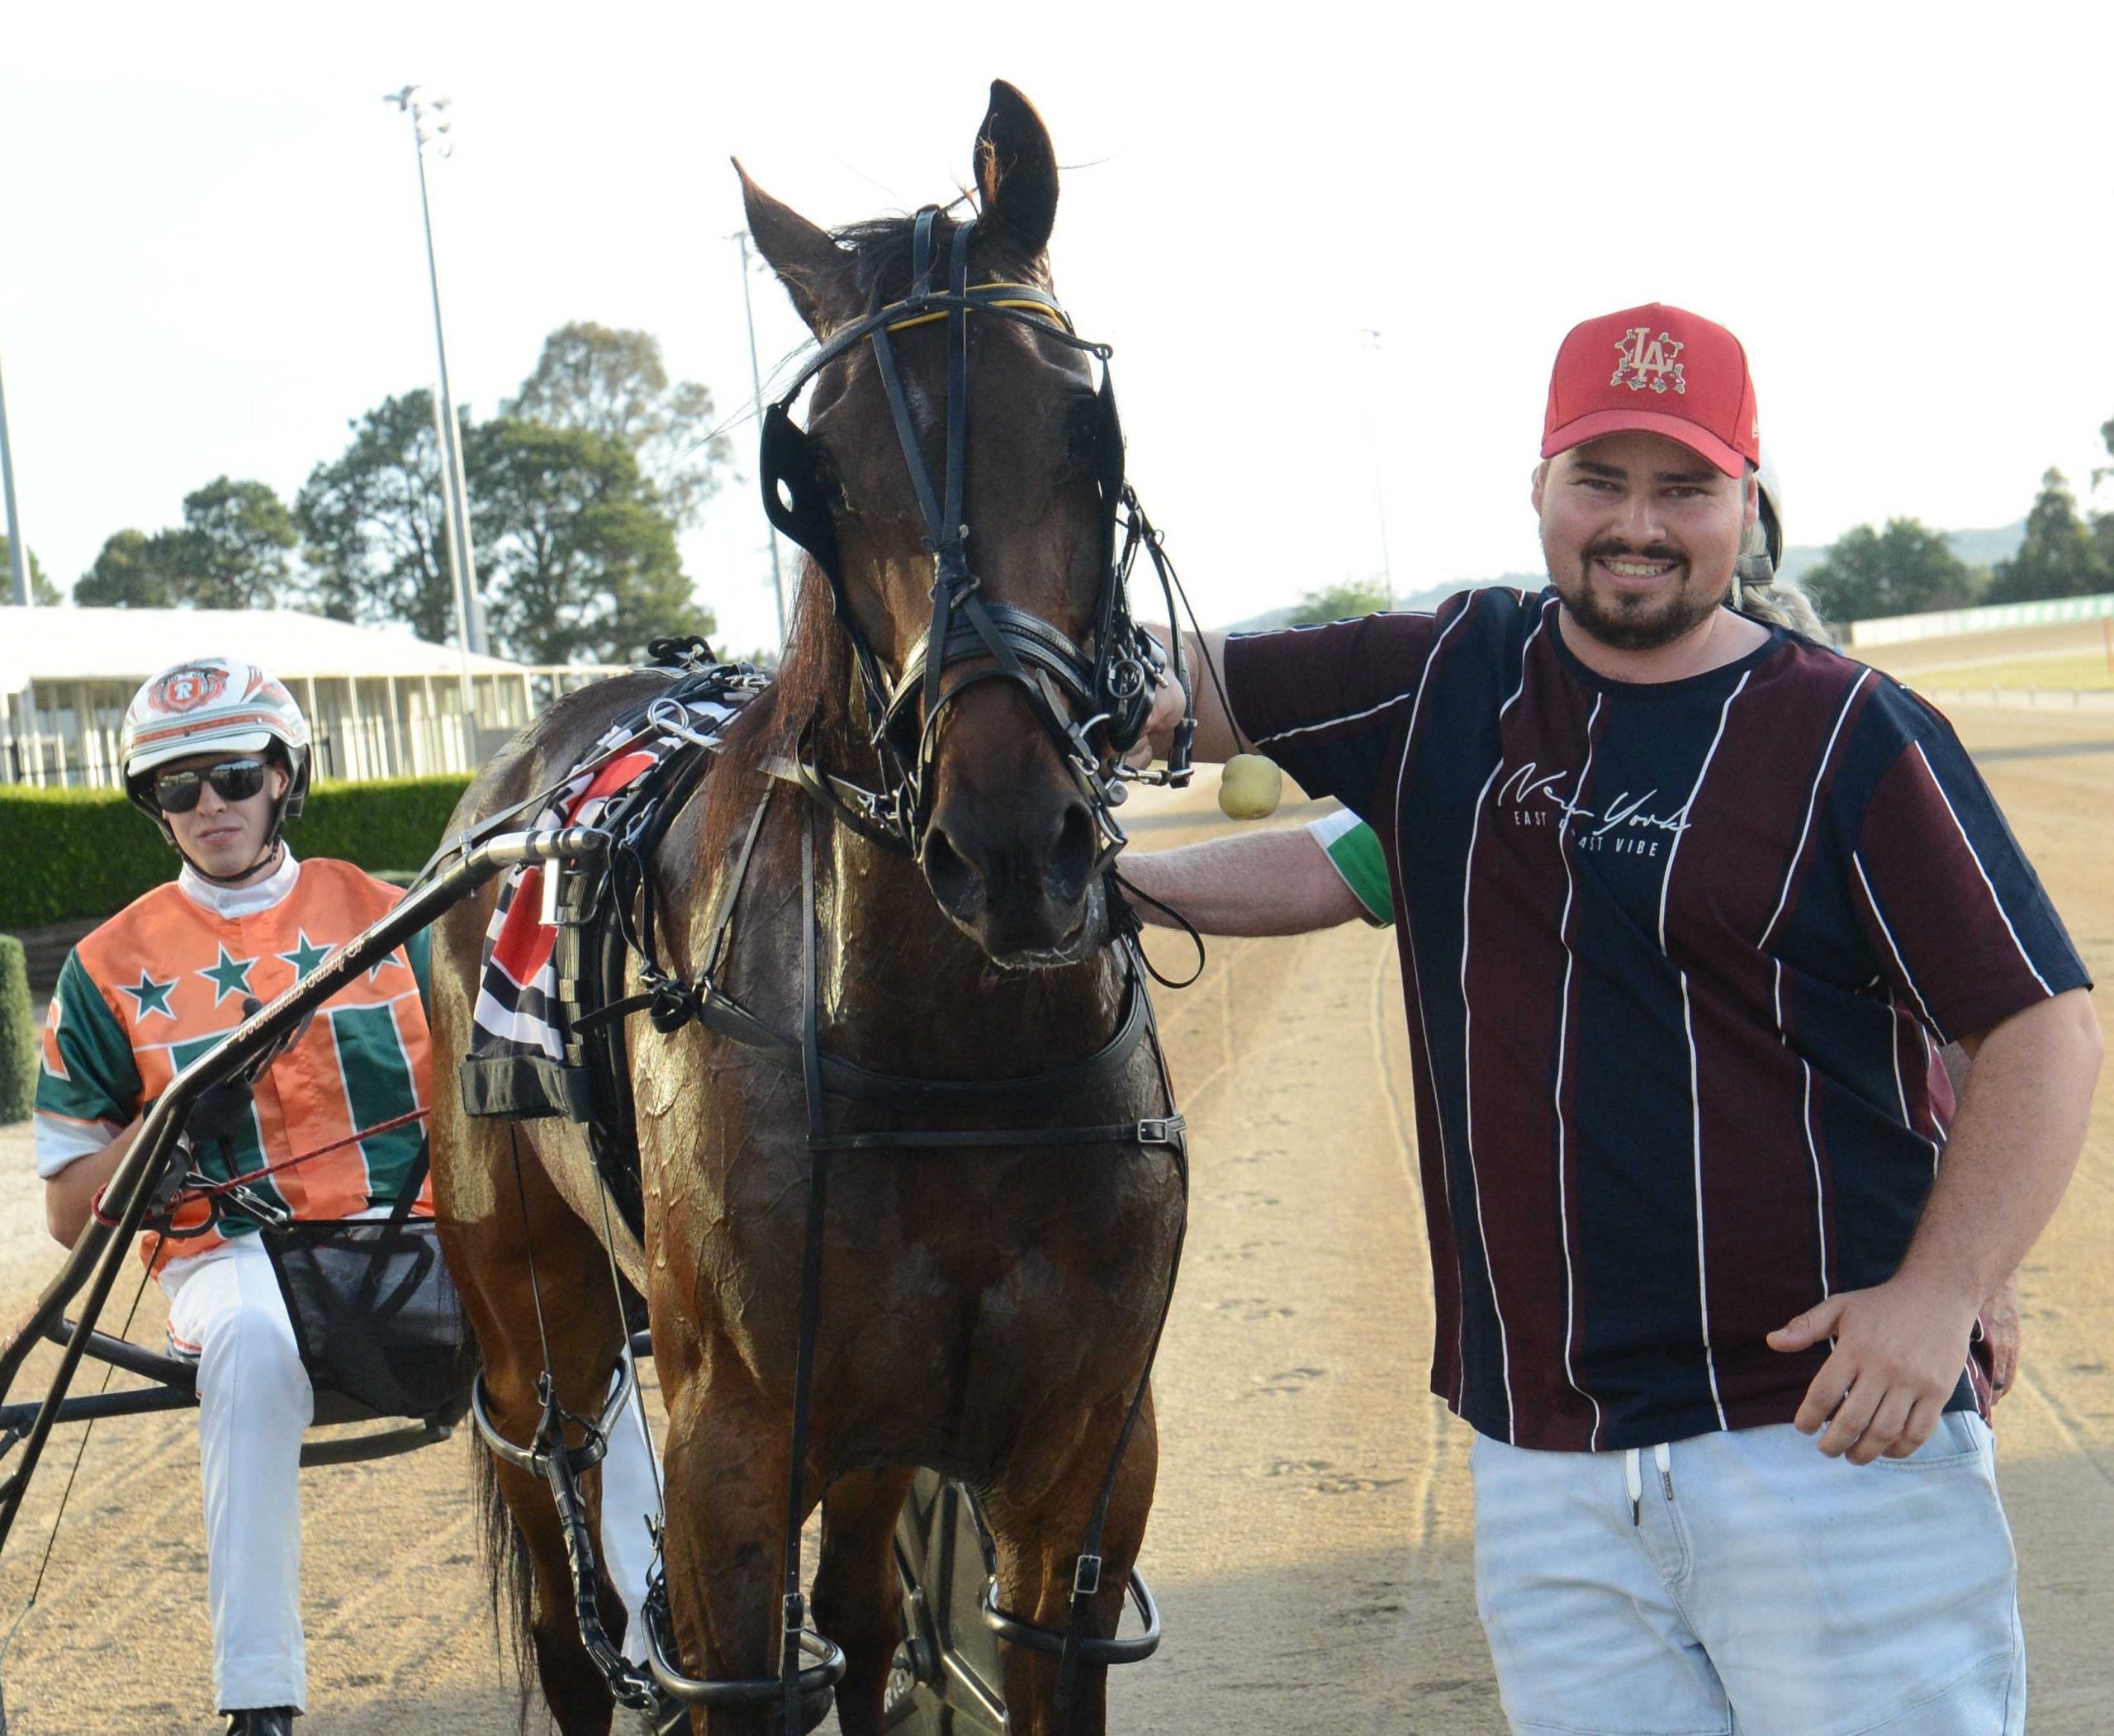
point(1982, 549)
point(1977, 547)
point(1271, 619)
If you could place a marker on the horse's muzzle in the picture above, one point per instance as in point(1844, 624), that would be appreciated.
point(1017, 878)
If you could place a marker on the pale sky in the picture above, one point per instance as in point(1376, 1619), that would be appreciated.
point(210, 257)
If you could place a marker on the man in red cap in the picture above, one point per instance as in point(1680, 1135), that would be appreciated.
point(1686, 903)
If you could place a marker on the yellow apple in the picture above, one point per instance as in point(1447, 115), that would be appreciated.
point(1249, 787)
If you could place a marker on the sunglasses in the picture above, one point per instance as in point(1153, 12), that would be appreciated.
point(233, 780)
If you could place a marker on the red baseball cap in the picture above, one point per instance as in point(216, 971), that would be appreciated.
point(1657, 370)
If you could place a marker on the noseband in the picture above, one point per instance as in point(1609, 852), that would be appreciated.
point(1075, 691)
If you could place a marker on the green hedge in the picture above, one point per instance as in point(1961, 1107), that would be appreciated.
point(69, 854)
point(18, 1034)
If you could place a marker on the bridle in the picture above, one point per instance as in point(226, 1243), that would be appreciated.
point(1101, 690)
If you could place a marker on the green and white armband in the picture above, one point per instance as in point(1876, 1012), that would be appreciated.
point(1353, 849)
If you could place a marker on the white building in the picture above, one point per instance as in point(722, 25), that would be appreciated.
point(380, 703)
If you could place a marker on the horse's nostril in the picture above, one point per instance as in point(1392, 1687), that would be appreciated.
point(953, 878)
point(1072, 857)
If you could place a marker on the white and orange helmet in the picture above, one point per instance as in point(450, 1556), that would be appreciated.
point(205, 704)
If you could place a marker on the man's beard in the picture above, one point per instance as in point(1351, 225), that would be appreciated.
point(1632, 623)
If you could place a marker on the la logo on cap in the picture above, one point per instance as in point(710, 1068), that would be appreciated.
point(1649, 361)
point(1695, 388)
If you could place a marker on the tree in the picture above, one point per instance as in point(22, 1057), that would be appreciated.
point(2102, 522)
point(1339, 602)
point(575, 552)
point(131, 571)
point(2058, 558)
point(1906, 569)
point(374, 522)
point(230, 552)
point(42, 591)
point(614, 384)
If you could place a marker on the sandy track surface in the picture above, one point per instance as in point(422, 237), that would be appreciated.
point(1311, 1542)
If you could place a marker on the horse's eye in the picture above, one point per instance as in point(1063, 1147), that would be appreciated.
point(828, 477)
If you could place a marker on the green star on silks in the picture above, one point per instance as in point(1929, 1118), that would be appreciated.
point(151, 996)
point(230, 976)
point(305, 956)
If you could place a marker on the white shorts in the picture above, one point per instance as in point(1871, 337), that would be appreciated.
point(1755, 1588)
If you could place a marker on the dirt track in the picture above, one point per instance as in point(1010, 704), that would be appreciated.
point(1309, 1545)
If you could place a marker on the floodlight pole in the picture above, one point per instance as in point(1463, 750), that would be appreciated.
point(755, 380)
point(18, 557)
point(1372, 342)
point(469, 607)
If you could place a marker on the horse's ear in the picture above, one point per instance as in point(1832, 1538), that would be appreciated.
point(815, 272)
point(1016, 170)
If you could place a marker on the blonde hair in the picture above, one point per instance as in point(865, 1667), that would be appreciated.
point(1780, 604)
point(1761, 595)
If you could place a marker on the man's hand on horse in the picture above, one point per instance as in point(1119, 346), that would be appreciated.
point(1899, 1347)
point(1169, 704)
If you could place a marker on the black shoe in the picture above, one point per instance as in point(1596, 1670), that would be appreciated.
point(261, 1721)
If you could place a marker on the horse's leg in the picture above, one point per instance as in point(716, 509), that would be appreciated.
point(1038, 1525)
point(488, 1227)
point(724, 1467)
point(858, 1598)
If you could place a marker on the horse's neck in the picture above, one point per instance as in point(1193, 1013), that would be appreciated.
point(907, 990)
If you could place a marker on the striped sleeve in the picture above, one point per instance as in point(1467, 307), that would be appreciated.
point(1324, 702)
point(87, 1086)
point(1353, 851)
point(1953, 911)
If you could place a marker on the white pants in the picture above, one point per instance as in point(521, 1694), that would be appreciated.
point(254, 1404)
point(631, 1495)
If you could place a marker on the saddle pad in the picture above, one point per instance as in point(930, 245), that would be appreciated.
point(518, 1065)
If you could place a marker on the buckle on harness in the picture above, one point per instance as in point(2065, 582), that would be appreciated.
point(1086, 1577)
point(796, 1614)
point(1159, 1129)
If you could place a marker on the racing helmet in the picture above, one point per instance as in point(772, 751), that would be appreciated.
point(208, 703)
point(1762, 551)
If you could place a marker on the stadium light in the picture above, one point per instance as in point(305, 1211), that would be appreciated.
point(430, 128)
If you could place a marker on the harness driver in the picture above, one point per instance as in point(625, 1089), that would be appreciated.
point(216, 753)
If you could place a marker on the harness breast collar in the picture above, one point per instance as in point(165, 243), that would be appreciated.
point(1093, 700)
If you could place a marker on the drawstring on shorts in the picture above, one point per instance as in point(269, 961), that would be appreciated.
point(1632, 1477)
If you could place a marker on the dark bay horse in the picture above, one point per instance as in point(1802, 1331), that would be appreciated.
point(985, 1312)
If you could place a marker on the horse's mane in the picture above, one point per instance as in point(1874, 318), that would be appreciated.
point(814, 680)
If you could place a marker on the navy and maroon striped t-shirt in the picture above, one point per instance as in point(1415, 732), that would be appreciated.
point(1677, 957)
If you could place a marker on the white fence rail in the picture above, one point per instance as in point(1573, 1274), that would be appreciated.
point(1991, 618)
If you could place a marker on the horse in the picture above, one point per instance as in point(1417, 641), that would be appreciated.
point(986, 1309)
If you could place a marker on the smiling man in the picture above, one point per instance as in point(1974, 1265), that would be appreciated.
point(1686, 903)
